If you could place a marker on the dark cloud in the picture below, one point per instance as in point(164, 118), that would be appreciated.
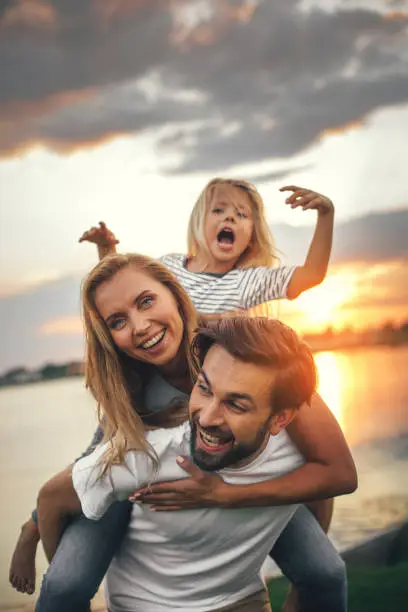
point(286, 79)
point(237, 87)
point(79, 51)
point(4, 6)
point(372, 238)
point(78, 57)
point(278, 175)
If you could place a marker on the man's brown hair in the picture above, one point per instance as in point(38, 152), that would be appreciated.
point(267, 342)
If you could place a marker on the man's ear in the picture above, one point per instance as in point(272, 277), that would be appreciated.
point(281, 420)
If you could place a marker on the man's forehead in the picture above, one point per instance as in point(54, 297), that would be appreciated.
point(231, 375)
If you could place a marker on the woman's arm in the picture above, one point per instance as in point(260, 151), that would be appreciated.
point(319, 438)
point(314, 269)
point(329, 470)
point(57, 500)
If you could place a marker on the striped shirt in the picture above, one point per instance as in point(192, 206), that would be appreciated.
point(238, 289)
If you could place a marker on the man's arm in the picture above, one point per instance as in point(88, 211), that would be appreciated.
point(57, 500)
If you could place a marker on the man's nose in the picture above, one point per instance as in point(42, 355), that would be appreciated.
point(211, 415)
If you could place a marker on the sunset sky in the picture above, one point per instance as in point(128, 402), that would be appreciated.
point(122, 110)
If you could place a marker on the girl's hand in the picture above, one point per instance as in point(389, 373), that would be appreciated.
point(202, 490)
point(308, 200)
point(101, 236)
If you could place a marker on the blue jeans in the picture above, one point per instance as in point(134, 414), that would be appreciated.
point(82, 560)
point(303, 552)
point(309, 560)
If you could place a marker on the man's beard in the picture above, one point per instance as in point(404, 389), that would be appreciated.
point(237, 453)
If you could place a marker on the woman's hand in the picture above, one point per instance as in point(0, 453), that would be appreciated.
point(308, 200)
point(101, 236)
point(201, 490)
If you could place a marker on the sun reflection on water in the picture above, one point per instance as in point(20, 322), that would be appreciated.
point(331, 384)
point(366, 390)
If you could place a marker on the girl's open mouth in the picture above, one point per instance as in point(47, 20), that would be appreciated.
point(226, 239)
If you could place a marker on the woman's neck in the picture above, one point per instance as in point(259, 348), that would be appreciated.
point(177, 373)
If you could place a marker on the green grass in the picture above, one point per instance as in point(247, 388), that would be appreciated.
point(383, 589)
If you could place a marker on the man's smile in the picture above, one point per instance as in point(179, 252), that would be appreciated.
point(213, 443)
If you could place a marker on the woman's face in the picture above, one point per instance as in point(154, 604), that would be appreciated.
point(142, 316)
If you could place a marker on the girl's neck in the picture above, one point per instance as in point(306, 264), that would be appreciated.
point(202, 263)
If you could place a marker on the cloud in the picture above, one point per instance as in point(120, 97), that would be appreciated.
point(62, 326)
point(26, 319)
point(277, 175)
point(370, 238)
point(219, 83)
point(44, 323)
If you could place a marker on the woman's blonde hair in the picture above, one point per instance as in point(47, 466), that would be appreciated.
point(260, 252)
point(116, 380)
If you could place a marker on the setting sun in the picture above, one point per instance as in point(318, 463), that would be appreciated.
point(318, 304)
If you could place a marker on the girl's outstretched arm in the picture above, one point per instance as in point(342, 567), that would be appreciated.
point(314, 269)
point(104, 239)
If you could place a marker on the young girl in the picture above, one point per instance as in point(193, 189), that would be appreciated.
point(231, 259)
point(232, 269)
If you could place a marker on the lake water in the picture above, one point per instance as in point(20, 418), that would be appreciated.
point(46, 425)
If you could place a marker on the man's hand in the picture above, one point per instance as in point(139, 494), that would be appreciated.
point(308, 200)
point(101, 236)
point(202, 490)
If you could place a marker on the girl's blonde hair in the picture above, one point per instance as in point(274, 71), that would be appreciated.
point(260, 252)
point(116, 380)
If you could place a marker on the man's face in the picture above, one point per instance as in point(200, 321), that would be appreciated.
point(230, 410)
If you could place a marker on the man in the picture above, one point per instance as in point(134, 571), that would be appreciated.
point(254, 374)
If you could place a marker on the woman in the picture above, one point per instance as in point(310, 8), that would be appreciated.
point(139, 323)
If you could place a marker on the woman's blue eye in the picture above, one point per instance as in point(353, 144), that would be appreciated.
point(218, 210)
point(146, 301)
point(242, 215)
point(117, 324)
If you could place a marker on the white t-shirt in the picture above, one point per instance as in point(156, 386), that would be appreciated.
point(190, 560)
point(238, 289)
